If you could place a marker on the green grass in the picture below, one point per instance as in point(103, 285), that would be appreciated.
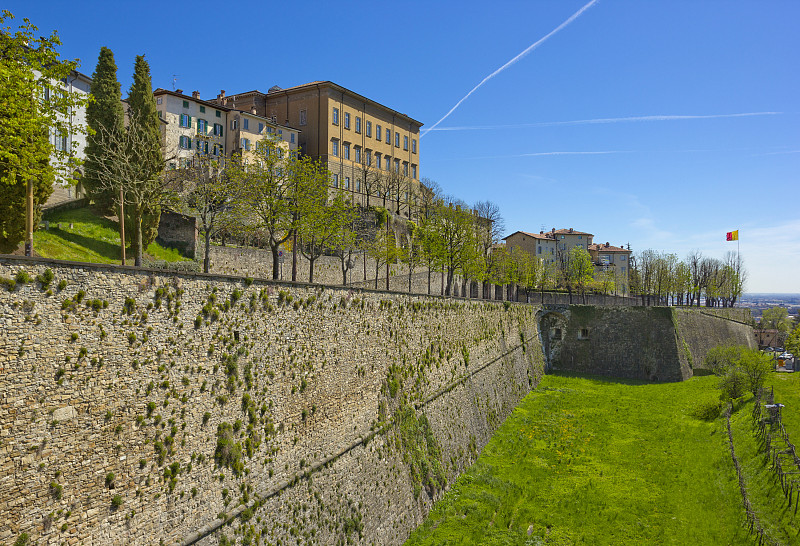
point(91, 239)
point(593, 461)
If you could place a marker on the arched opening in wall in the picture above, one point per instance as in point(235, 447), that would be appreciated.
point(552, 326)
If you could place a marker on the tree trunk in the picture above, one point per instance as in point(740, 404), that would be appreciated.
point(311, 260)
point(207, 253)
point(139, 250)
point(275, 264)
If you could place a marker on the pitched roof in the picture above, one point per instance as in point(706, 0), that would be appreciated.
point(329, 84)
point(162, 91)
point(607, 248)
point(532, 235)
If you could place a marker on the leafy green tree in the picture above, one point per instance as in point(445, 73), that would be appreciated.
point(739, 368)
point(383, 248)
point(776, 318)
point(32, 103)
point(143, 119)
point(454, 225)
point(211, 196)
point(322, 221)
point(793, 342)
point(106, 121)
point(580, 269)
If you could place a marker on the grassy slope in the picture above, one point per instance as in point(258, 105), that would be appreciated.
point(91, 239)
point(589, 461)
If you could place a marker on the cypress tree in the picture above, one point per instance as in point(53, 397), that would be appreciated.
point(143, 119)
point(104, 115)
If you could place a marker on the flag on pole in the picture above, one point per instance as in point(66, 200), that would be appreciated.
point(732, 236)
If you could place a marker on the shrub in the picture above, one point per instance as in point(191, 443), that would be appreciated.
point(22, 277)
point(110, 480)
point(10, 284)
point(116, 501)
point(45, 278)
point(56, 490)
point(62, 284)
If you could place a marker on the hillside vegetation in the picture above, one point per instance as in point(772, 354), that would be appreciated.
point(595, 461)
point(92, 238)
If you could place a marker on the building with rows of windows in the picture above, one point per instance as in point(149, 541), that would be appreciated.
point(552, 245)
point(371, 150)
point(192, 125)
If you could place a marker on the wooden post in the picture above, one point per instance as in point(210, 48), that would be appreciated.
point(29, 219)
point(122, 223)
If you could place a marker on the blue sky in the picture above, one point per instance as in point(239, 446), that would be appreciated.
point(656, 153)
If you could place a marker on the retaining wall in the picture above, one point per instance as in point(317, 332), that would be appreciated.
point(139, 405)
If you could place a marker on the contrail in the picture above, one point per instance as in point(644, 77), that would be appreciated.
point(629, 119)
point(511, 62)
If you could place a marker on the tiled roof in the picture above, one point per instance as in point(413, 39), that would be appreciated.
point(161, 91)
point(607, 248)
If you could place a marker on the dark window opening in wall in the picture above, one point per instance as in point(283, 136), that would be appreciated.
point(303, 117)
point(583, 334)
point(556, 333)
point(236, 335)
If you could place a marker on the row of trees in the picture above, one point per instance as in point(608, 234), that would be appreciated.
point(661, 278)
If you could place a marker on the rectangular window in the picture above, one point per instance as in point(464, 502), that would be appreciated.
point(358, 186)
point(159, 100)
point(185, 142)
point(335, 148)
point(234, 124)
point(346, 120)
point(186, 104)
point(413, 146)
point(388, 163)
point(622, 269)
point(336, 116)
point(217, 129)
point(202, 109)
point(245, 124)
point(219, 114)
point(292, 138)
point(303, 119)
point(397, 166)
point(622, 258)
point(378, 132)
point(202, 127)
point(347, 182)
point(397, 140)
point(388, 136)
point(346, 148)
point(186, 121)
point(335, 180)
point(539, 250)
point(358, 124)
point(414, 171)
point(405, 143)
point(246, 144)
point(405, 168)
point(369, 128)
point(160, 114)
point(358, 154)
point(260, 128)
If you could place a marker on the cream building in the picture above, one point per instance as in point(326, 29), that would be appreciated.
point(247, 129)
point(372, 151)
point(552, 245)
point(73, 140)
point(191, 126)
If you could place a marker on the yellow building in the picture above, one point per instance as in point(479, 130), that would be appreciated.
point(371, 150)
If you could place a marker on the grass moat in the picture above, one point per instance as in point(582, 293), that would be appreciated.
point(598, 461)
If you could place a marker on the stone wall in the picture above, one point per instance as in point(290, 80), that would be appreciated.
point(178, 230)
point(700, 329)
point(138, 406)
point(649, 343)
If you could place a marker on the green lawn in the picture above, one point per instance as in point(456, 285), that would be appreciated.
point(91, 239)
point(593, 461)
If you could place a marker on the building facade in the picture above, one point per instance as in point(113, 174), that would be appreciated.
point(73, 140)
point(611, 263)
point(371, 150)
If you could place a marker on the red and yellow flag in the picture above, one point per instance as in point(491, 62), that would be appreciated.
point(732, 236)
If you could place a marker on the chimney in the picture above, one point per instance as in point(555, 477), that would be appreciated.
point(570, 230)
point(179, 91)
point(195, 94)
point(221, 94)
point(606, 244)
